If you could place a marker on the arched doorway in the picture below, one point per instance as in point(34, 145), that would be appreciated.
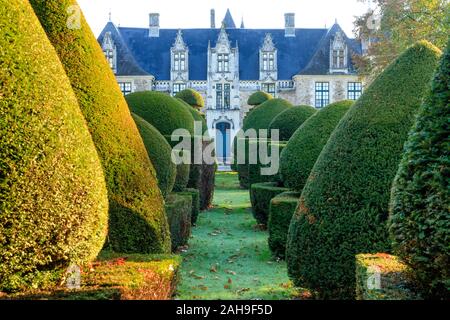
point(223, 142)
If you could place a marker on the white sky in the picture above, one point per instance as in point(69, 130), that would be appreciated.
point(196, 13)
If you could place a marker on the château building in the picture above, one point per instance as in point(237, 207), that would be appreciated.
point(226, 64)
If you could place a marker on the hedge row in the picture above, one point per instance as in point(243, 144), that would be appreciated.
point(304, 147)
point(137, 220)
point(344, 204)
point(195, 194)
point(260, 196)
point(261, 116)
point(53, 197)
point(178, 210)
point(281, 209)
point(420, 202)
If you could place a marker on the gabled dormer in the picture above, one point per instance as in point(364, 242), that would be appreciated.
point(338, 53)
point(179, 55)
point(268, 59)
point(110, 51)
point(223, 53)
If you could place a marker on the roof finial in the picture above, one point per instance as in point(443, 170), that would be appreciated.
point(335, 21)
point(242, 23)
point(110, 15)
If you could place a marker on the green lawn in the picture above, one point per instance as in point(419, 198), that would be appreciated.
point(228, 258)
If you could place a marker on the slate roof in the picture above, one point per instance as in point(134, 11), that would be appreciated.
point(306, 53)
point(228, 21)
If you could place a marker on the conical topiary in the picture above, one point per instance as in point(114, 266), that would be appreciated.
point(420, 202)
point(304, 147)
point(344, 205)
point(159, 152)
point(288, 121)
point(137, 218)
point(53, 198)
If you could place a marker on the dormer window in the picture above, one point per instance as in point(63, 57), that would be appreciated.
point(338, 54)
point(268, 61)
point(109, 49)
point(223, 62)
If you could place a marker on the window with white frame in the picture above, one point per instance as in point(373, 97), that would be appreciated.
point(125, 87)
point(179, 61)
point(322, 94)
point(268, 61)
point(177, 87)
point(223, 96)
point(354, 90)
point(223, 62)
point(269, 88)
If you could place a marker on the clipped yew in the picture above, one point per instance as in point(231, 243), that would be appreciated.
point(53, 197)
point(288, 121)
point(192, 98)
point(344, 205)
point(304, 147)
point(137, 221)
point(419, 210)
point(159, 152)
point(258, 98)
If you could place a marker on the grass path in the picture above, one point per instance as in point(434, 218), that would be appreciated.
point(228, 258)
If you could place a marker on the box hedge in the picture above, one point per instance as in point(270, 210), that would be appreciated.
point(262, 115)
point(137, 222)
point(159, 151)
point(53, 197)
point(178, 210)
point(288, 121)
point(195, 194)
point(192, 98)
point(260, 196)
point(281, 209)
point(344, 204)
point(254, 170)
point(420, 202)
point(304, 147)
point(258, 98)
point(183, 169)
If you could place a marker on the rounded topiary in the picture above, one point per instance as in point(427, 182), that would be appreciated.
point(192, 98)
point(344, 204)
point(262, 115)
point(159, 151)
point(288, 121)
point(53, 197)
point(304, 147)
point(198, 117)
point(258, 98)
point(162, 111)
point(137, 222)
point(420, 202)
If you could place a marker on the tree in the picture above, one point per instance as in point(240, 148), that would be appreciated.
point(394, 25)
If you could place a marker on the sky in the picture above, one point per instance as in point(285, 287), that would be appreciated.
point(196, 13)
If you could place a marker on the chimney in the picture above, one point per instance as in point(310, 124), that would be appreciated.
point(289, 24)
point(154, 25)
point(213, 19)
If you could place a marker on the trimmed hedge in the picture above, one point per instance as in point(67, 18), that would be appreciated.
point(262, 115)
point(381, 276)
point(420, 202)
point(281, 209)
point(137, 222)
point(288, 121)
point(162, 111)
point(192, 98)
point(258, 98)
point(344, 204)
point(304, 147)
point(178, 210)
point(260, 196)
point(195, 194)
point(197, 115)
point(53, 197)
point(159, 151)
